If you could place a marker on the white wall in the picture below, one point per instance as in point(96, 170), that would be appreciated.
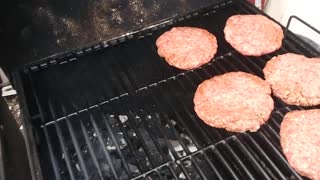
point(308, 10)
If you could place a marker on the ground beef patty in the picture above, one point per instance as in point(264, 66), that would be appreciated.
point(187, 47)
point(253, 35)
point(300, 141)
point(294, 78)
point(236, 101)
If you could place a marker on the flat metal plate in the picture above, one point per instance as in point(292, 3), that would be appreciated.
point(31, 30)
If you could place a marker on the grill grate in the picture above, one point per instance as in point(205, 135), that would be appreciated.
point(107, 120)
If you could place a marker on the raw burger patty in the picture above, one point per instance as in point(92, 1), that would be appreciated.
point(294, 78)
point(253, 35)
point(187, 47)
point(236, 101)
point(300, 141)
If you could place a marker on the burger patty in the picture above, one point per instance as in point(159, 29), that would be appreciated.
point(253, 35)
point(187, 47)
point(236, 101)
point(294, 78)
point(300, 141)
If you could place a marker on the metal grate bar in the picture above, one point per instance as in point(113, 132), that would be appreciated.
point(220, 68)
point(198, 168)
point(132, 126)
point(235, 156)
point(130, 87)
point(276, 124)
point(172, 172)
point(63, 145)
point(154, 162)
point(246, 67)
point(301, 45)
point(163, 134)
point(271, 131)
point(116, 86)
point(279, 155)
point(254, 67)
point(252, 159)
point(259, 150)
point(180, 119)
point(192, 171)
point(185, 172)
point(130, 146)
point(91, 151)
point(265, 156)
point(116, 144)
point(289, 47)
point(275, 150)
point(215, 67)
point(77, 148)
point(212, 166)
point(176, 135)
point(199, 126)
point(152, 170)
point(158, 174)
point(127, 139)
point(151, 134)
point(224, 162)
point(277, 116)
point(105, 151)
point(150, 157)
point(48, 142)
point(52, 158)
point(153, 138)
point(231, 161)
point(207, 73)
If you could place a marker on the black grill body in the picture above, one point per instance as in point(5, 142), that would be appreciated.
point(116, 110)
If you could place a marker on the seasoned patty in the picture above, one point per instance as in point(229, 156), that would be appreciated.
point(300, 141)
point(294, 78)
point(187, 47)
point(253, 35)
point(236, 101)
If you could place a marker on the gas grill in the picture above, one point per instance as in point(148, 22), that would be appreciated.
point(116, 110)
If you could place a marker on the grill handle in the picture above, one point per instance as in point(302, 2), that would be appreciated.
point(302, 21)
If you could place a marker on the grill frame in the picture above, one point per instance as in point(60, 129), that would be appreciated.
point(293, 42)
